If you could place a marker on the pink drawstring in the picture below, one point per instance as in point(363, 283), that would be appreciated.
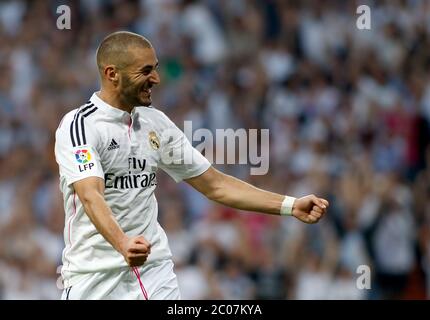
point(137, 273)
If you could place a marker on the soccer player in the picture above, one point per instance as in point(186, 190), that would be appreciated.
point(108, 152)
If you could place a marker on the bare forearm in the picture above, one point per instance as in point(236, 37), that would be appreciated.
point(238, 194)
point(101, 216)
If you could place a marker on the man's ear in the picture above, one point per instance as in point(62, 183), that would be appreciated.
point(111, 74)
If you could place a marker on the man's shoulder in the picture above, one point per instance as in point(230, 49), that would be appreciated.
point(67, 119)
point(76, 126)
point(75, 116)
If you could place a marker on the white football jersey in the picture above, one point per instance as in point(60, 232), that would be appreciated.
point(125, 150)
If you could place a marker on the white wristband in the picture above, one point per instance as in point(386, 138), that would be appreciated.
point(287, 206)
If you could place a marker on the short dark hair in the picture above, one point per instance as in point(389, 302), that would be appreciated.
point(114, 49)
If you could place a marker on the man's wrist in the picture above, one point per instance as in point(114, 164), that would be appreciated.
point(122, 244)
point(287, 206)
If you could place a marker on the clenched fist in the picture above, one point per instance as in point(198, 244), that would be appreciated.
point(135, 251)
point(309, 209)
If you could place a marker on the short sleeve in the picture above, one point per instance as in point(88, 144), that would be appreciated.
point(179, 159)
point(77, 162)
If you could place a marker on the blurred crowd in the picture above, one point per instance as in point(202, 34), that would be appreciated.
point(348, 112)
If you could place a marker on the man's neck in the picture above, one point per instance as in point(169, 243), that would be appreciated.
point(113, 100)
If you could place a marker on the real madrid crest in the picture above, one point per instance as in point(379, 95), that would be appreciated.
point(153, 140)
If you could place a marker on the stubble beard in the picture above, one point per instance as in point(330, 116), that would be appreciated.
point(130, 94)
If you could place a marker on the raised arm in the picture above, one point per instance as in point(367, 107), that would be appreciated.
point(238, 194)
point(91, 193)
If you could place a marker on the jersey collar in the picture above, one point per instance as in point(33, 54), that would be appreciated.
point(111, 111)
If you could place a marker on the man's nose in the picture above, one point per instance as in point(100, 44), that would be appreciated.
point(155, 77)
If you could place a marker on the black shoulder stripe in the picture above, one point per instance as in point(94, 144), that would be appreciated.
point(71, 129)
point(83, 124)
point(89, 112)
point(75, 122)
point(84, 140)
point(71, 134)
point(78, 139)
point(87, 107)
point(82, 116)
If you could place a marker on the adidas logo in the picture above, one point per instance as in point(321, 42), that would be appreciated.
point(113, 145)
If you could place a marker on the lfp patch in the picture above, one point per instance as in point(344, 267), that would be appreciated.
point(83, 156)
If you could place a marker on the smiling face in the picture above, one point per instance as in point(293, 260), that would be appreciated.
point(127, 64)
point(137, 79)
